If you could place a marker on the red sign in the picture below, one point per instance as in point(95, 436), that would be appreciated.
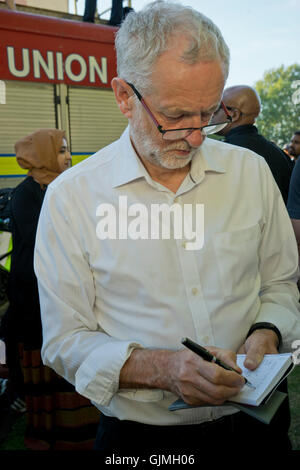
point(45, 49)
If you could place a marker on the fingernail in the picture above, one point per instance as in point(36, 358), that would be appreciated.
point(249, 363)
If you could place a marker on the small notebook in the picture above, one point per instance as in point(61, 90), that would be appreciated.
point(265, 378)
point(263, 402)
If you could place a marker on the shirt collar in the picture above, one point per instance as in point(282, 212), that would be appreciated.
point(206, 159)
point(129, 167)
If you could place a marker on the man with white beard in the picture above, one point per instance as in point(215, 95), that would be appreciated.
point(115, 309)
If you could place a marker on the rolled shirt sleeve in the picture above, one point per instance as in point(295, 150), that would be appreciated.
point(73, 343)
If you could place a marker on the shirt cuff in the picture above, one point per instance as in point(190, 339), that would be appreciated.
point(142, 395)
point(98, 376)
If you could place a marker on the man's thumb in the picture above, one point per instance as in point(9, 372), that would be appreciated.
point(253, 359)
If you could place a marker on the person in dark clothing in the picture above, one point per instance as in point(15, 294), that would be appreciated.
point(293, 205)
point(57, 416)
point(243, 104)
point(118, 13)
point(294, 146)
point(40, 153)
point(22, 320)
point(89, 11)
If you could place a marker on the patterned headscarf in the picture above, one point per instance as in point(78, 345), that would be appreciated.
point(38, 153)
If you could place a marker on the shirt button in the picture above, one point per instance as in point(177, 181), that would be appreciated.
point(176, 200)
point(183, 244)
point(205, 339)
point(194, 291)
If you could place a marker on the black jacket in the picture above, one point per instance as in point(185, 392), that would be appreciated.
point(23, 290)
point(280, 164)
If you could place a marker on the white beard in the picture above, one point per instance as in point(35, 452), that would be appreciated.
point(160, 155)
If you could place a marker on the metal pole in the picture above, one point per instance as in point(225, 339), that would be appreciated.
point(75, 6)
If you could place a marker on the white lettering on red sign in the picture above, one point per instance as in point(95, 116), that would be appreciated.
point(59, 66)
point(94, 67)
point(2, 92)
point(68, 67)
point(12, 64)
point(90, 67)
point(39, 62)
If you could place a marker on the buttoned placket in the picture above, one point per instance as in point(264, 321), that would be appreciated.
point(192, 282)
point(189, 268)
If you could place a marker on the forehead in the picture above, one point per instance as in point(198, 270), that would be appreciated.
point(192, 86)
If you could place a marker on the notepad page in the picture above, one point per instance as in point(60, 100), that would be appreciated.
point(264, 378)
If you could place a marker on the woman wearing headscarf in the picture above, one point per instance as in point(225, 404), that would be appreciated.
point(57, 416)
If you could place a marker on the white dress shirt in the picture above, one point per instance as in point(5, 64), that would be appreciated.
point(102, 298)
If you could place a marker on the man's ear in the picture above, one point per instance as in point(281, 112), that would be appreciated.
point(235, 114)
point(123, 95)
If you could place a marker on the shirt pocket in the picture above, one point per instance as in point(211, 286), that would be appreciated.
point(237, 260)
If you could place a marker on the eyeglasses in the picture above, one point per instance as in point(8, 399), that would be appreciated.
point(175, 134)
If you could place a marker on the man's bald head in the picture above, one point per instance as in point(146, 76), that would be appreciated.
point(243, 97)
point(243, 103)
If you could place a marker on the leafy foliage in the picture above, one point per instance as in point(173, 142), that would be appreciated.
point(279, 91)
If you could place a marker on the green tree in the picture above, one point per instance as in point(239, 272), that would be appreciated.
point(279, 91)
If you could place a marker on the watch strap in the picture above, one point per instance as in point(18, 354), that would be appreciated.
point(266, 326)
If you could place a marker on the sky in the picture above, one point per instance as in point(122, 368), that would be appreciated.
point(261, 34)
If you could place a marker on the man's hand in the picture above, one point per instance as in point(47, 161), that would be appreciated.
point(183, 373)
point(200, 382)
point(259, 343)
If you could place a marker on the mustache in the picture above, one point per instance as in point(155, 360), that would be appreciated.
point(179, 146)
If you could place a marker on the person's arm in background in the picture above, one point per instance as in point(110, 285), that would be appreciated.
point(26, 205)
point(24, 298)
point(293, 204)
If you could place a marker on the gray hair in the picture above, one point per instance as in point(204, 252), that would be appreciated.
point(145, 35)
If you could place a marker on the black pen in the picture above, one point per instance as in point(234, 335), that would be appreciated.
point(207, 356)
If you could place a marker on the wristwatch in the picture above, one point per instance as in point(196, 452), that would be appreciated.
point(266, 326)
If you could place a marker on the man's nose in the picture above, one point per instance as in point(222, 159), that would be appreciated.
point(195, 139)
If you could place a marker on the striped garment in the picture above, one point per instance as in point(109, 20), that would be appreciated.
point(58, 418)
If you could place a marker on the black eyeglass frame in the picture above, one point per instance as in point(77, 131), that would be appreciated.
point(191, 129)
